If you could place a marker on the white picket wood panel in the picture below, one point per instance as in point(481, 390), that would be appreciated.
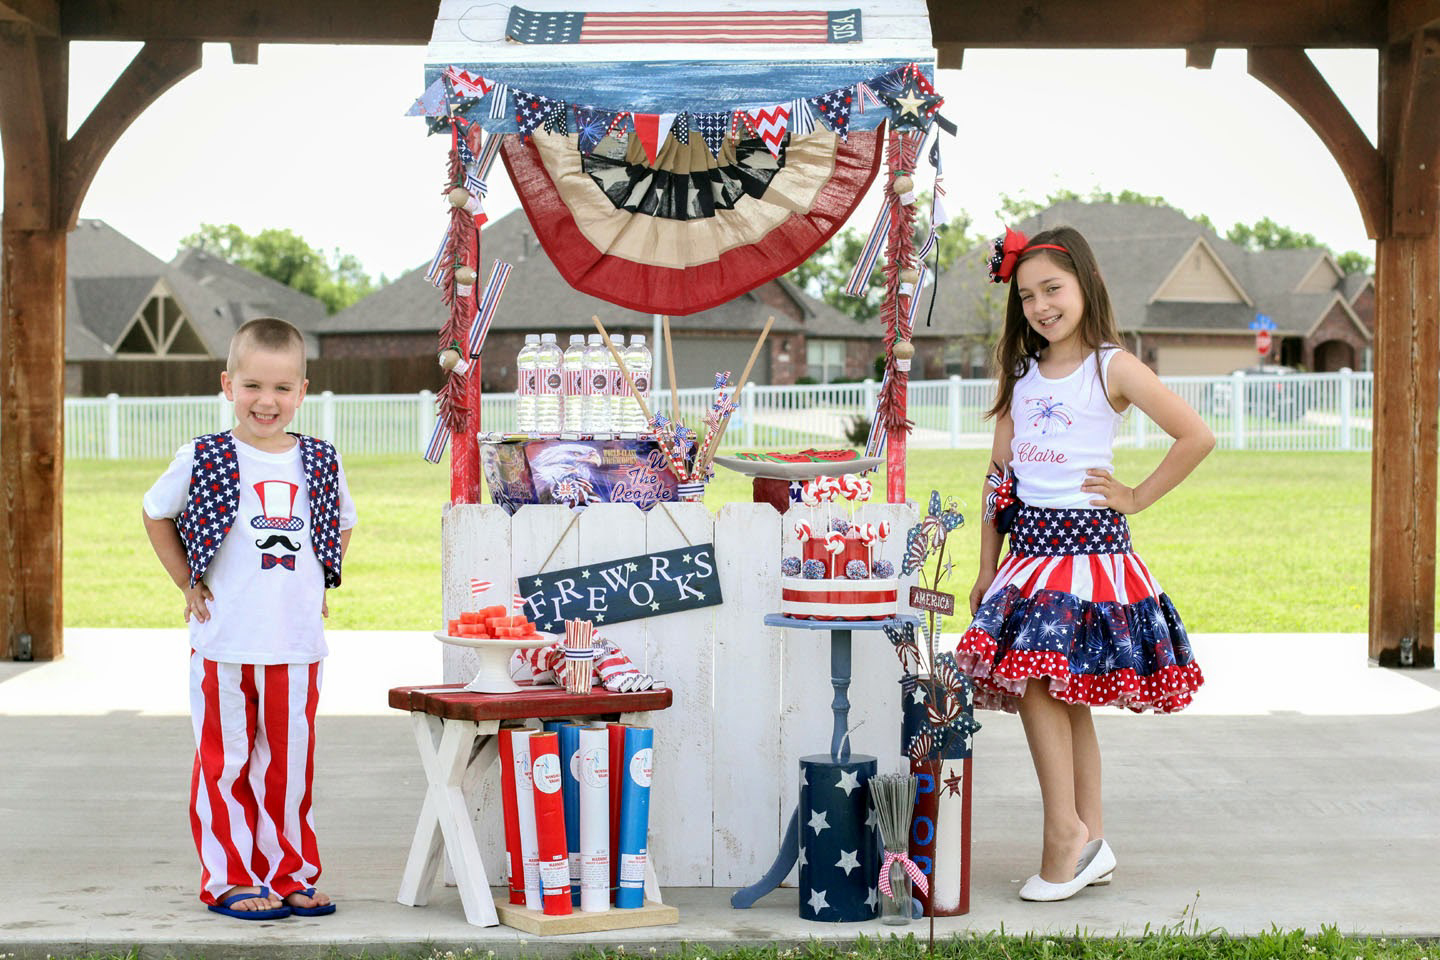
point(679, 652)
point(475, 542)
point(748, 693)
point(466, 31)
point(749, 701)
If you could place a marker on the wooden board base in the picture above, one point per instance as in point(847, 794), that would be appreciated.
point(533, 921)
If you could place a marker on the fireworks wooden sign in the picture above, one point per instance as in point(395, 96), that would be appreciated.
point(629, 588)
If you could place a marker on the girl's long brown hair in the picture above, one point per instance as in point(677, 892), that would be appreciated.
point(1019, 345)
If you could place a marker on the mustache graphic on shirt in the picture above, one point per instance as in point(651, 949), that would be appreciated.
point(267, 544)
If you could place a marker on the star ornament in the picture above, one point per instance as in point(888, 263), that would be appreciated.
point(912, 108)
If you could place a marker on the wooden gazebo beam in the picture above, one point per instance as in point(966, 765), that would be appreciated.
point(42, 16)
point(311, 21)
point(46, 177)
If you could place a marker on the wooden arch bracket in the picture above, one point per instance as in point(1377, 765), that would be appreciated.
point(158, 66)
point(1410, 99)
point(1293, 76)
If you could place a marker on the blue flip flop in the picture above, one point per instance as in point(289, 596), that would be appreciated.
point(324, 911)
point(224, 907)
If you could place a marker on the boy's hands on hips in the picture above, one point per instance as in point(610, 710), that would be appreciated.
point(1113, 493)
point(195, 602)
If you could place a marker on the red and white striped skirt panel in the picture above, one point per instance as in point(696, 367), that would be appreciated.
point(1097, 577)
point(250, 792)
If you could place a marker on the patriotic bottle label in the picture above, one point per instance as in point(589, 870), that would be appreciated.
point(642, 383)
point(599, 385)
point(575, 383)
point(549, 380)
point(615, 384)
point(528, 383)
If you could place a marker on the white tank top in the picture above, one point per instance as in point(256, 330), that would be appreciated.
point(1063, 428)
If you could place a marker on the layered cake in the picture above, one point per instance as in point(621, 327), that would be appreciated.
point(838, 574)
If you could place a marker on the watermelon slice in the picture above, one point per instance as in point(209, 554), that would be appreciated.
point(512, 621)
point(452, 628)
point(830, 456)
point(487, 612)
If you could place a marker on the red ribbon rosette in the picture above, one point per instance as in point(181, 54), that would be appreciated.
point(1007, 253)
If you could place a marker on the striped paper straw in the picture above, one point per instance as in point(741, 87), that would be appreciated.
point(860, 276)
point(876, 442)
point(489, 300)
point(579, 655)
point(488, 153)
point(439, 438)
point(915, 297)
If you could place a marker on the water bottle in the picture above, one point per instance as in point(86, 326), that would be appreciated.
point(573, 368)
point(619, 392)
point(638, 362)
point(526, 386)
point(548, 418)
point(597, 387)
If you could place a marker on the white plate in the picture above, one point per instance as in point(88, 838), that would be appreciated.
point(494, 656)
point(799, 471)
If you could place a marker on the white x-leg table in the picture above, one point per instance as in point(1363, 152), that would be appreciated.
point(455, 732)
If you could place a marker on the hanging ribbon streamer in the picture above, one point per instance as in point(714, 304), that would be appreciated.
point(860, 275)
point(479, 328)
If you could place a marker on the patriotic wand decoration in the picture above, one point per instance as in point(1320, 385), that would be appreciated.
point(579, 655)
point(893, 797)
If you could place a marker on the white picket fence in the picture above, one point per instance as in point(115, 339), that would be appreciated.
point(749, 700)
point(1301, 412)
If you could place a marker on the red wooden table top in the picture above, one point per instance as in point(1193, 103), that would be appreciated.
point(450, 701)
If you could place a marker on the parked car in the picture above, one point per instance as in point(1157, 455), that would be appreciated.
point(1268, 393)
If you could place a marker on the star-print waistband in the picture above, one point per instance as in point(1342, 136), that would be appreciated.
point(1042, 531)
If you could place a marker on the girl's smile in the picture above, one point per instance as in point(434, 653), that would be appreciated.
point(1050, 298)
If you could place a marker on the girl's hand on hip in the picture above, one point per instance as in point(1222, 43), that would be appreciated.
point(1112, 492)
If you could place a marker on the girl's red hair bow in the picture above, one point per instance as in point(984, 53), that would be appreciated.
point(1007, 253)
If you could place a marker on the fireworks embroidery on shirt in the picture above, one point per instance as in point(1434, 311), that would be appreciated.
point(1047, 413)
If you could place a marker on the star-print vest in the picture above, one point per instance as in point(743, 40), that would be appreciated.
point(217, 470)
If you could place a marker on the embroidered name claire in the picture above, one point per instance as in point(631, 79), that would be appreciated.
point(1030, 453)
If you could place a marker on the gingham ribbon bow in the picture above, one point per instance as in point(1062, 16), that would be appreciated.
point(917, 876)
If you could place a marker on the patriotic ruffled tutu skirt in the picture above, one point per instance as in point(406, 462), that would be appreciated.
point(1072, 603)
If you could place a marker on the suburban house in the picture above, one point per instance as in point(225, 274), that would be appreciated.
point(1184, 297)
point(137, 325)
point(809, 338)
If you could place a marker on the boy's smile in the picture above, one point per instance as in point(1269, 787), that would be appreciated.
point(266, 387)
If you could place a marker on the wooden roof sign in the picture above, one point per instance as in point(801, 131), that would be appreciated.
point(662, 56)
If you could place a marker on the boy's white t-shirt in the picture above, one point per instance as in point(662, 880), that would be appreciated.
point(263, 612)
point(1063, 428)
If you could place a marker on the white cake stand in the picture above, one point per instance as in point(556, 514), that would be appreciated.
point(494, 656)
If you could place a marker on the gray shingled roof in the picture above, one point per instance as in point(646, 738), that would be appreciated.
point(247, 294)
point(1137, 248)
point(537, 295)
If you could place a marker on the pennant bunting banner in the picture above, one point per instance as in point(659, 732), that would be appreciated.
point(834, 109)
point(499, 101)
point(470, 84)
point(802, 118)
point(770, 123)
point(713, 127)
point(681, 128)
point(431, 103)
point(556, 119)
point(647, 131)
point(531, 109)
point(592, 124)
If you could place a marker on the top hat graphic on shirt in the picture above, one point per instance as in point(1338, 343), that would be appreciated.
point(277, 504)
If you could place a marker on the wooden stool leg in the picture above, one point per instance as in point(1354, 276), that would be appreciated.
point(454, 813)
point(427, 846)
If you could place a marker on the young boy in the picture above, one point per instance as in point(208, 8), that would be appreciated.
point(252, 524)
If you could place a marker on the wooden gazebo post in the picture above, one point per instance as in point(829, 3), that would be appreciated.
point(1395, 186)
point(46, 177)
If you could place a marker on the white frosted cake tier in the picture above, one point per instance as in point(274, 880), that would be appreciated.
point(839, 599)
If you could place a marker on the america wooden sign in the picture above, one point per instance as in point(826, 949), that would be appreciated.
point(630, 588)
point(933, 600)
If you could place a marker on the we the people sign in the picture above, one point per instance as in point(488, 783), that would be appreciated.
point(630, 588)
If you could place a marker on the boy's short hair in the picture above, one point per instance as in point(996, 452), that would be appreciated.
point(267, 333)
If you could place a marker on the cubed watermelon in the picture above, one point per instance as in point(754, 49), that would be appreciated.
point(471, 617)
point(452, 628)
point(511, 621)
point(494, 611)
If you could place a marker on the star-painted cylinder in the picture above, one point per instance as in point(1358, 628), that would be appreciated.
point(839, 841)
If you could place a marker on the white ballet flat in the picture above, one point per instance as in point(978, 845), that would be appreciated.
point(1087, 853)
point(1101, 862)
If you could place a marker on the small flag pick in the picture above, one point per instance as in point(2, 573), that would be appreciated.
point(478, 586)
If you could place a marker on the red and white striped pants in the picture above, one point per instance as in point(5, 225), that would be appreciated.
point(250, 795)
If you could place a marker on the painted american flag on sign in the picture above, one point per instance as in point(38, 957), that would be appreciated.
point(688, 26)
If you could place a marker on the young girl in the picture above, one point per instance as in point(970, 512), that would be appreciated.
point(1072, 618)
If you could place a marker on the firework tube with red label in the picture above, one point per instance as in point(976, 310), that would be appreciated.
point(617, 777)
point(594, 769)
point(525, 808)
point(514, 859)
point(554, 865)
point(634, 847)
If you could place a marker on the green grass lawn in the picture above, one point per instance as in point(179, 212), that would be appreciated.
point(1251, 542)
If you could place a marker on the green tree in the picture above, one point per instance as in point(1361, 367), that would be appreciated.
point(824, 275)
point(1353, 261)
point(1266, 234)
point(337, 280)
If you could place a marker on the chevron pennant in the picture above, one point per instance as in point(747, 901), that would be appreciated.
point(771, 123)
point(471, 84)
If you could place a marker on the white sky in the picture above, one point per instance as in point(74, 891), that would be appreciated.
point(314, 139)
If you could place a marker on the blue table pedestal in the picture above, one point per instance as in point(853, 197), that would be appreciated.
point(839, 841)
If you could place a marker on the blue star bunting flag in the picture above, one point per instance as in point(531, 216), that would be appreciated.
point(834, 109)
point(531, 109)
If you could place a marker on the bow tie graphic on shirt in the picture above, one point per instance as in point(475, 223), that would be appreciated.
point(268, 560)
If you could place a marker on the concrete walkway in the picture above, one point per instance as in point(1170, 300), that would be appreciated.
point(1300, 790)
